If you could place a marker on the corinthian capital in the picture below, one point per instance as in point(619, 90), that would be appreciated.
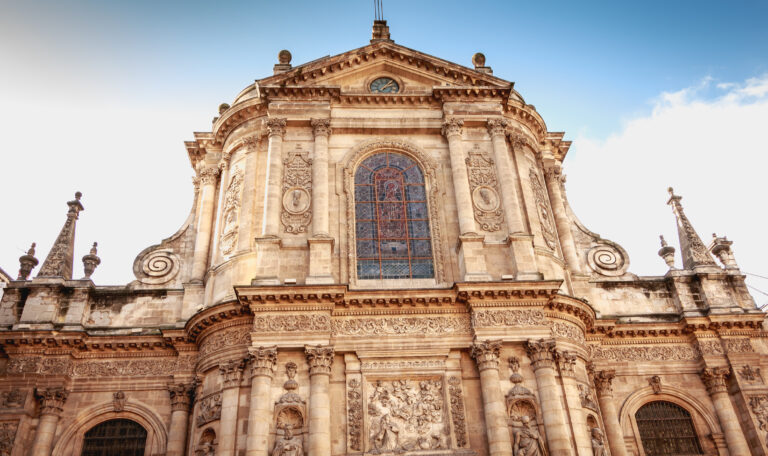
point(486, 354)
point(231, 372)
point(319, 358)
point(52, 400)
point(263, 360)
point(208, 175)
point(452, 126)
point(541, 352)
point(714, 379)
point(251, 142)
point(181, 395)
point(604, 382)
point(321, 127)
point(276, 126)
point(496, 127)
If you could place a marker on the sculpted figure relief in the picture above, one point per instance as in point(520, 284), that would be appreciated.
point(288, 444)
point(406, 416)
point(598, 444)
point(527, 440)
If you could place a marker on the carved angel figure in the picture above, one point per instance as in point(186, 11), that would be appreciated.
point(288, 444)
point(527, 440)
point(598, 444)
point(387, 438)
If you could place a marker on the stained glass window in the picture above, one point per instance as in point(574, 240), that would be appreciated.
point(391, 219)
point(666, 429)
point(115, 438)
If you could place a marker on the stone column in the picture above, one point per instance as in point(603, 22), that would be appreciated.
point(714, 379)
point(553, 178)
point(522, 246)
point(486, 356)
point(245, 230)
point(231, 374)
point(207, 177)
point(603, 380)
point(566, 366)
point(542, 354)
point(276, 131)
point(471, 260)
point(321, 242)
point(320, 359)
point(263, 362)
point(51, 404)
point(181, 399)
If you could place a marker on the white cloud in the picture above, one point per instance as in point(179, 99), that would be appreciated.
point(707, 141)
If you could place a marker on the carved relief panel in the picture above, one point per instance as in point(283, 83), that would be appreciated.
point(543, 209)
point(485, 190)
point(8, 431)
point(210, 409)
point(297, 192)
point(230, 215)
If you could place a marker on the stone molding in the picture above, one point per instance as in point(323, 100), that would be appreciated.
point(486, 354)
point(714, 379)
point(541, 353)
point(263, 361)
point(355, 414)
point(319, 358)
point(52, 400)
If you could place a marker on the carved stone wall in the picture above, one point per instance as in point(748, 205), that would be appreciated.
point(297, 192)
point(484, 187)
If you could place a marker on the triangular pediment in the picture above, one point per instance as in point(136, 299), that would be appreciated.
point(352, 71)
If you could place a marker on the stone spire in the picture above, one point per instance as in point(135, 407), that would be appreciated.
point(27, 262)
point(59, 260)
point(692, 250)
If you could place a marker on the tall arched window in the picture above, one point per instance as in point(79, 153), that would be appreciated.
point(391, 219)
point(666, 429)
point(115, 438)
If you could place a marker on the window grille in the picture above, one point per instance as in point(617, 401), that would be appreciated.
point(393, 238)
point(667, 429)
point(115, 438)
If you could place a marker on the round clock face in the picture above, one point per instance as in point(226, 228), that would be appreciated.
point(384, 85)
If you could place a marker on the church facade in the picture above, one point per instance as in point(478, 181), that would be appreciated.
point(381, 259)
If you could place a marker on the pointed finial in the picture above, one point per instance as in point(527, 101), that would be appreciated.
point(667, 253)
point(27, 263)
point(691, 248)
point(90, 262)
point(58, 263)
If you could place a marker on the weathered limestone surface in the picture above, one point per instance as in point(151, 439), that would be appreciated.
point(259, 329)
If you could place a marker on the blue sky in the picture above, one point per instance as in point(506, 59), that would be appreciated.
point(99, 96)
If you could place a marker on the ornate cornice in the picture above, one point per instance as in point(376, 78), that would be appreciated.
point(215, 317)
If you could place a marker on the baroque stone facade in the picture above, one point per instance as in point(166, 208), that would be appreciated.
point(381, 259)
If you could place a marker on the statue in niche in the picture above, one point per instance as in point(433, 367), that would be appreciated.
point(527, 440)
point(288, 444)
point(598, 443)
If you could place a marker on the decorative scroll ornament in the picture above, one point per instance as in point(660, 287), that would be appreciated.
point(486, 318)
point(608, 259)
point(8, 431)
point(159, 266)
point(355, 415)
point(672, 352)
point(292, 323)
point(263, 360)
point(484, 186)
point(406, 415)
point(401, 325)
point(231, 213)
point(457, 411)
point(210, 409)
point(297, 192)
point(542, 207)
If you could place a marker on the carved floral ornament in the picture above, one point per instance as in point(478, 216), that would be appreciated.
point(297, 192)
point(231, 213)
point(355, 415)
point(544, 210)
point(434, 199)
point(8, 431)
point(484, 188)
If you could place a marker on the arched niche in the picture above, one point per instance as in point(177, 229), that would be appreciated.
point(704, 420)
point(71, 441)
point(432, 183)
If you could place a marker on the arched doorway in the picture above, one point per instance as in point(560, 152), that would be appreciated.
point(115, 438)
point(666, 429)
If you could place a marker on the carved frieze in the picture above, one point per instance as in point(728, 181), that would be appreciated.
point(297, 192)
point(457, 411)
point(484, 187)
point(489, 318)
point(231, 337)
point(231, 213)
point(406, 415)
point(401, 325)
point(112, 368)
point(644, 353)
point(750, 374)
point(292, 323)
point(8, 431)
point(543, 209)
point(392, 365)
point(567, 331)
point(210, 409)
point(355, 415)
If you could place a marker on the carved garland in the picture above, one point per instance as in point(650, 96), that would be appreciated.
point(542, 207)
point(401, 325)
point(297, 192)
point(485, 190)
point(355, 415)
point(231, 213)
point(292, 323)
point(430, 168)
point(457, 411)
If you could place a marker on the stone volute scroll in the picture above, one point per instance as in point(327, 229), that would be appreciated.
point(608, 259)
point(297, 192)
point(484, 187)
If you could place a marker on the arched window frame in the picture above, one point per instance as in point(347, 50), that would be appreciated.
point(115, 438)
point(671, 405)
point(429, 169)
